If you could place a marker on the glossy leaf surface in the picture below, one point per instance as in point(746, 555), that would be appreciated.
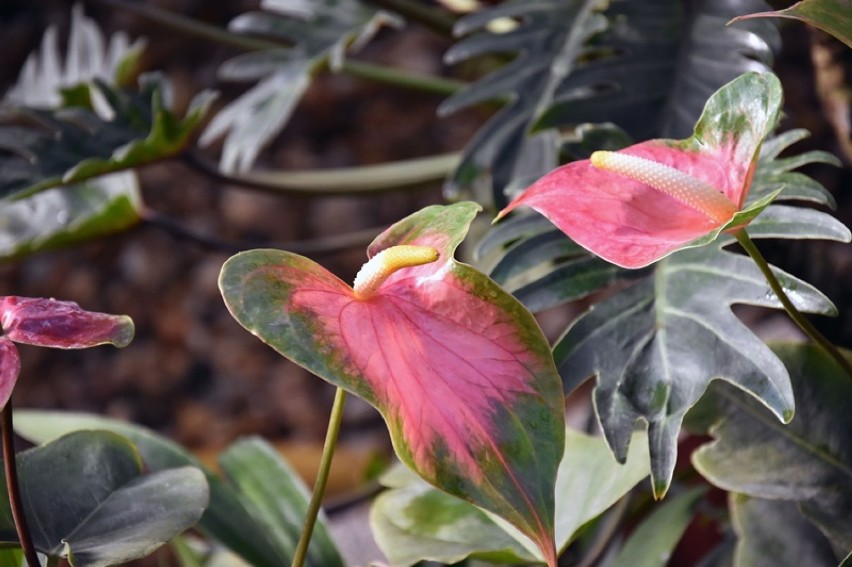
point(229, 519)
point(309, 33)
point(458, 368)
point(631, 223)
point(87, 500)
point(277, 499)
point(831, 16)
point(808, 462)
point(412, 522)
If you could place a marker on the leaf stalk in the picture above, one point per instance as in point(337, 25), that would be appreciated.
point(11, 470)
point(315, 504)
point(804, 324)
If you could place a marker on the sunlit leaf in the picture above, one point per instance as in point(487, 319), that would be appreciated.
point(808, 462)
point(831, 16)
point(489, 425)
point(87, 500)
point(413, 522)
point(309, 33)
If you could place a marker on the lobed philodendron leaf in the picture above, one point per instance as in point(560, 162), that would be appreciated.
point(117, 130)
point(457, 367)
point(807, 462)
point(86, 499)
point(238, 516)
point(831, 16)
point(413, 522)
point(309, 33)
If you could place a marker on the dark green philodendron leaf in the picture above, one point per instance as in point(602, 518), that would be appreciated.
point(807, 462)
point(773, 533)
point(277, 499)
point(656, 345)
point(658, 62)
point(310, 34)
point(40, 149)
point(63, 216)
point(489, 426)
point(87, 500)
point(831, 16)
point(652, 543)
point(227, 518)
point(414, 522)
point(549, 37)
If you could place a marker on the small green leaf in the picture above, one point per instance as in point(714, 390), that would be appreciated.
point(831, 16)
point(652, 543)
point(277, 499)
point(11, 557)
point(808, 461)
point(773, 533)
point(225, 520)
point(86, 499)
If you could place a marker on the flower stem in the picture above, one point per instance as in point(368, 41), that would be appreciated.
point(795, 314)
point(322, 477)
point(11, 470)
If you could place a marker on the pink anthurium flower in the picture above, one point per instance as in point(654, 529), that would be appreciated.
point(457, 367)
point(637, 205)
point(52, 323)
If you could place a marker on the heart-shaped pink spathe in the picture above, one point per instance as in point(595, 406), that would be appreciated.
point(632, 223)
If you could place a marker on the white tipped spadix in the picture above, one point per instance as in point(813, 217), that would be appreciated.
point(382, 265)
point(690, 191)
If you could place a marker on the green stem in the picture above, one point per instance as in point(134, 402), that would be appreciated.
point(795, 314)
point(11, 470)
point(377, 73)
point(322, 477)
point(362, 180)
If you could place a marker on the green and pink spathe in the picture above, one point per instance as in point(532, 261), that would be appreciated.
point(636, 206)
point(457, 367)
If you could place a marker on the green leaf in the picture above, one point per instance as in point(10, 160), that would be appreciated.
point(413, 522)
point(275, 496)
point(652, 543)
point(44, 149)
point(11, 557)
point(773, 533)
point(808, 462)
point(489, 426)
point(831, 16)
point(63, 216)
point(319, 31)
point(86, 499)
point(226, 519)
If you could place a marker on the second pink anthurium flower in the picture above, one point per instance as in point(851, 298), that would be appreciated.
point(637, 205)
point(457, 367)
point(55, 324)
